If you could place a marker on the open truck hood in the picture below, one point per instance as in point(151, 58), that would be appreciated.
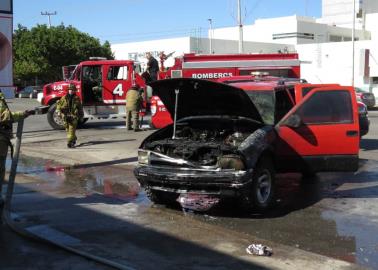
point(200, 97)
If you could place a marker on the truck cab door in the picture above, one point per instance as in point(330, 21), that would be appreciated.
point(117, 79)
point(321, 132)
point(91, 81)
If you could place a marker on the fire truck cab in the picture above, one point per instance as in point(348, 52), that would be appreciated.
point(101, 85)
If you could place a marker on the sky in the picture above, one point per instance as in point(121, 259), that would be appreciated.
point(120, 21)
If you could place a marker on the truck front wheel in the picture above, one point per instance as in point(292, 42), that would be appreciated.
point(260, 197)
point(53, 118)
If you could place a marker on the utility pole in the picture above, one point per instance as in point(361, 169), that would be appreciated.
point(306, 8)
point(49, 14)
point(353, 37)
point(211, 36)
point(240, 28)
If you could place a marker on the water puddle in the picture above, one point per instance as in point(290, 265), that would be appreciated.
point(361, 232)
point(112, 182)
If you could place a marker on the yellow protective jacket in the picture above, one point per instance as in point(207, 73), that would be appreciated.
point(70, 109)
point(133, 100)
point(7, 118)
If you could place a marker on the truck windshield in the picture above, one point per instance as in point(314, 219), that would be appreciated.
point(265, 104)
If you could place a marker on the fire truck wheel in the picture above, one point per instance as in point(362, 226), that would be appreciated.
point(53, 118)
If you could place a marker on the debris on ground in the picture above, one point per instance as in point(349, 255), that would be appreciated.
point(259, 250)
point(197, 202)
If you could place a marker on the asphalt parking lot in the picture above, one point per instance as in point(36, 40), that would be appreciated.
point(88, 198)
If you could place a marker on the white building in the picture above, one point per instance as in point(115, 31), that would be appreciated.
point(179, 46)
point(290, 30)
point(324, 45)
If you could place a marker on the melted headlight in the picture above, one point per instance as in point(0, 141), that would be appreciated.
point(143, 157)
point(231, 162)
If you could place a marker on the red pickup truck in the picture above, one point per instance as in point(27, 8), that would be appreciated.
point(230, 139)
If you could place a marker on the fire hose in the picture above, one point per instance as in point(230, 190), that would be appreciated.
point(6, 212)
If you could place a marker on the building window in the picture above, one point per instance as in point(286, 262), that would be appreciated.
point(327, 107)
point(117, 73)
point(6, 6)
point(333, 38)
point(374, 80)
point(293, 35)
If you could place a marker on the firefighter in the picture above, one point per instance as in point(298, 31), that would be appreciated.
point(71, 111)
point(133, 105)
point(152, 66)
point(7, 118)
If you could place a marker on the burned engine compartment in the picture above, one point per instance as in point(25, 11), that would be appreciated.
point(203, 142)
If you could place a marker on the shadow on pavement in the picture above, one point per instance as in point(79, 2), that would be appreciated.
point(102, 142)
point(98, 230)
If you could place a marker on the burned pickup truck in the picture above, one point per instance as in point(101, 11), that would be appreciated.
point(229, 140)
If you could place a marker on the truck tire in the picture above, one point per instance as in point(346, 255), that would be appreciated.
point(161, 197)
point(261, 195)
point(54, 120)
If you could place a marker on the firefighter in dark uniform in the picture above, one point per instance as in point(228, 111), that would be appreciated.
point(7, 118)
point(133, 105)
point(70, 109)
point(152, 66)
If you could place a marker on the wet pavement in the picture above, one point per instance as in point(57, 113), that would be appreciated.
point(334, 215)
point(97, 206)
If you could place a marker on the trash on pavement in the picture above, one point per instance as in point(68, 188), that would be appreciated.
point(197, 202)
point(259, 250)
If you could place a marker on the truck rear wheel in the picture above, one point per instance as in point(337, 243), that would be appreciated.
point(53, 118)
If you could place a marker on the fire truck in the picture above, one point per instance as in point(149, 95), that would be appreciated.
point(215, 66)
point(101, 85)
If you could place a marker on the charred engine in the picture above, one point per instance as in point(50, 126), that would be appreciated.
point(213, 144)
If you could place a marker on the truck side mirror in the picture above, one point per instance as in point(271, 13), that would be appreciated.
point(293, 121)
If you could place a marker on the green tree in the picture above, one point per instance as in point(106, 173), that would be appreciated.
point(41, 51)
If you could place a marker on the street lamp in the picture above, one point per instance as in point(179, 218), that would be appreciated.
point(240, 28)
point(211, 36)
point(49, 14)
point(353, 37)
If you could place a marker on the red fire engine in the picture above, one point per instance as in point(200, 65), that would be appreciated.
point(216, 66)
point(102, 86)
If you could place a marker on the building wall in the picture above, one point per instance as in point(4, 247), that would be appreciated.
point(261, 31)
point(6, 66)
point(332, 63)
point(340, 12)
point(137, 50)
point(371, 21)
point(223, 46)
point(290, 30)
